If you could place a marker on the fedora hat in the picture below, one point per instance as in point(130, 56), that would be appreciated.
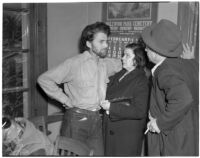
point(164, 38)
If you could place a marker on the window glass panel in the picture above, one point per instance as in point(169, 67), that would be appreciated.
point(12, 30)
point(15, 59)
point(13, 70)
point(13, 104)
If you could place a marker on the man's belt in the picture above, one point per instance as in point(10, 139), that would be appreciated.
point(84, 111)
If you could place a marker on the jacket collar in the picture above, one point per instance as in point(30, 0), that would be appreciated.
point(156, 66)
point(134, 73)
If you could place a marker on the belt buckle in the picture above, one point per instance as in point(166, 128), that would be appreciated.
point(94, 110)
point(78, 111)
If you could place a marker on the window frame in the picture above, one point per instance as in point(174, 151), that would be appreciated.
point(36, 58)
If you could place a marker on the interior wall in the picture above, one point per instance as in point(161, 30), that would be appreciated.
point(168, 10)
point(65, 23)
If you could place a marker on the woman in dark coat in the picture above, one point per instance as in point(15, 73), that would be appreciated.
point(127, 105)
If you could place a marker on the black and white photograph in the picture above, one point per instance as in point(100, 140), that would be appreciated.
point(100, 79)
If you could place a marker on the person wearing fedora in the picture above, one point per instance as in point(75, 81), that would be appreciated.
point(173, 114)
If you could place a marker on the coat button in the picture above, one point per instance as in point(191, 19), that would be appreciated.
point(111, 132)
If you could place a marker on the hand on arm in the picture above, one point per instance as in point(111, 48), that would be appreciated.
point(67, 105)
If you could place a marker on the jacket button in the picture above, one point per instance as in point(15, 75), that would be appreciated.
point(111, 132)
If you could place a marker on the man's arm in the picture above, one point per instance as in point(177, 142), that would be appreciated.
point(113, 65)
point(49, 82)
point(178, 99)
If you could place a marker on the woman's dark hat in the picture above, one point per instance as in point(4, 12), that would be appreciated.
point(164, 38)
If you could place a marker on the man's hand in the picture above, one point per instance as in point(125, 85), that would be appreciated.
point(152, 125)
point(188, 53)
point(67, 105)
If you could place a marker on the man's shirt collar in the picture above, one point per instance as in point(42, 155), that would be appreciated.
point(156, 66)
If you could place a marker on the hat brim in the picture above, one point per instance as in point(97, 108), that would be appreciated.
point(151, 43)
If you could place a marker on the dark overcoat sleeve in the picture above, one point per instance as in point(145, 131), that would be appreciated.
point(178, 98)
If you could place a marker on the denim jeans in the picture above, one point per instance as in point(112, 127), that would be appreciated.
point(85, 126)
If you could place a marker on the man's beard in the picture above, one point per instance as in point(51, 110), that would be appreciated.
point(101, 54)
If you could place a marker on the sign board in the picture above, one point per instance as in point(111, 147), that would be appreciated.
point(126, 20)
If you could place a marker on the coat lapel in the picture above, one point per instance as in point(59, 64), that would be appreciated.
point(130, 76)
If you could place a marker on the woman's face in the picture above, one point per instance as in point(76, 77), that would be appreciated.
point(128, 59)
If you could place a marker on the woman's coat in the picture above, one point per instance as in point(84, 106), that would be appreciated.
point(126, 122)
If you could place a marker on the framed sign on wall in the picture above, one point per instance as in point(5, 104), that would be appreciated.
point(126, 20)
